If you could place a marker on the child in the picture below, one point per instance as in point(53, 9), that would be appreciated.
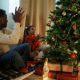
point(29, 37)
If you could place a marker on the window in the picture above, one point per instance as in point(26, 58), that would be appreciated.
point(13, 4)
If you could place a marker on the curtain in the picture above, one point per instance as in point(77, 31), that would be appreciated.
point(37, 13)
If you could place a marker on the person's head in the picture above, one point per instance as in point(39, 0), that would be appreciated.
point(30, 30)
point(3, 19)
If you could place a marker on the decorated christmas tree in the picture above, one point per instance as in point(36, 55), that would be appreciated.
point(63, 34)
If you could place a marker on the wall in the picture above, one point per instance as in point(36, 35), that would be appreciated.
point(4, 4)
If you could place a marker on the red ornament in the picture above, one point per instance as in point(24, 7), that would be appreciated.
point(54, 18)
point(73, 55)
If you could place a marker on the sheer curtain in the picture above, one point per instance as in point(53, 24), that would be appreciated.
point(37, 13)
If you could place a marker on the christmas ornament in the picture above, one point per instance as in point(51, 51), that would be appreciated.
point(64, 13)
point(52, 23)
point(53, 39)
point(74, 15)
point(54, 18)
point(75, 51)
point(73, 56)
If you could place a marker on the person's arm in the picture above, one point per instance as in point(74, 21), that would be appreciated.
point(12, 38)
point(19, 16)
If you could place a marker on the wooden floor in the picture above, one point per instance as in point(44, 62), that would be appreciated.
point(35, 77)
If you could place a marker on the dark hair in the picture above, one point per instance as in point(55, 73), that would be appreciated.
point(3, 16)
point(2, 12)
point(27, 30)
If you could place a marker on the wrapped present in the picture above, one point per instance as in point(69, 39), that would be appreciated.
point(51, 74)
point(66, 76)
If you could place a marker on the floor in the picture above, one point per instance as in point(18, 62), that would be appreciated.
point(35, 77)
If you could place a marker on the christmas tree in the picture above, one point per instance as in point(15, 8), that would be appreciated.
point(63, 34)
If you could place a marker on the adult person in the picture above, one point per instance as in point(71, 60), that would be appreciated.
point(16, 56)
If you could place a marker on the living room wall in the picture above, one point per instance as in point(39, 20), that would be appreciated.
point(4, 4)
point(9, 8)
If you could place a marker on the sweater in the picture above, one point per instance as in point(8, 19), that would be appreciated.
point(9, 37)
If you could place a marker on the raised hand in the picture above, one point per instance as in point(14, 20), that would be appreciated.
point(18, 15)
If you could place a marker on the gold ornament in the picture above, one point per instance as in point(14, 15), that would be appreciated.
point(64, 13)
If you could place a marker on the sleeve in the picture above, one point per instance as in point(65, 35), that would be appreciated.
point(12, 38)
